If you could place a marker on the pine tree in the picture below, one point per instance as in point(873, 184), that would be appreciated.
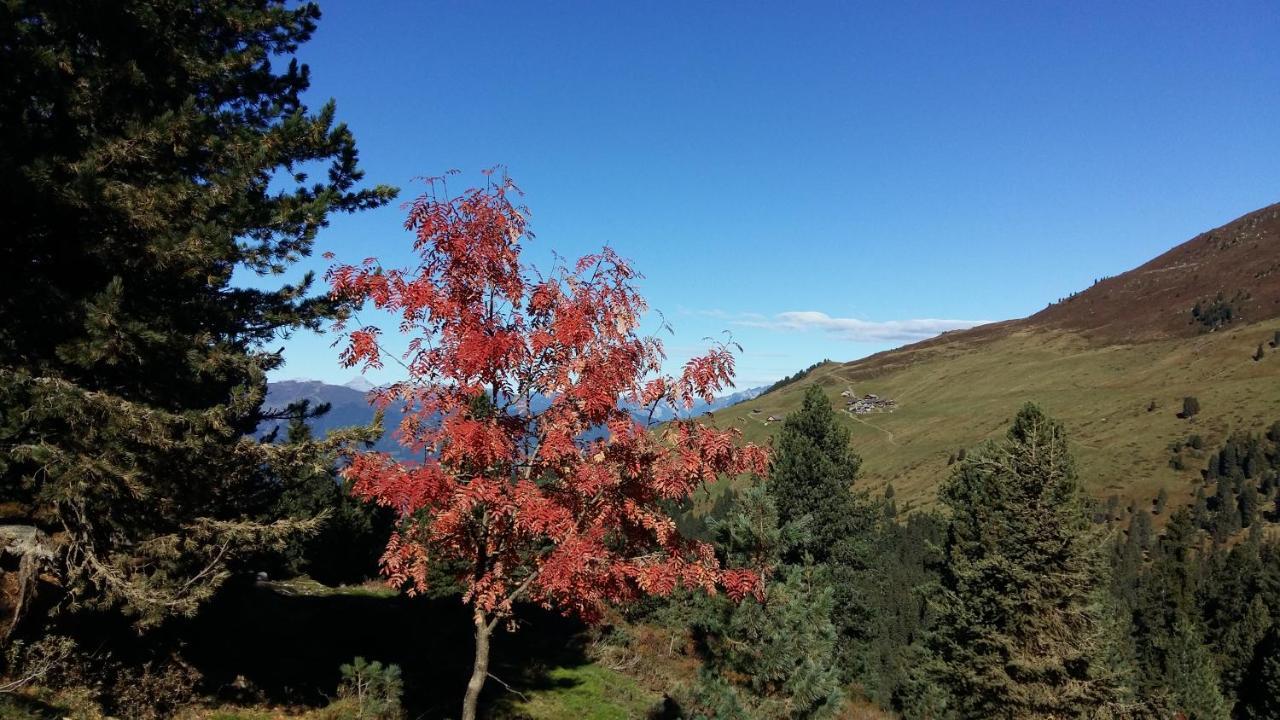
point(151, 151)
point(1126, 562)
point(785, 647)
point(1192, 677)
point(1248, 504)
point(781, 647)
point(1232, 602)
point(903, 575)
point(1226, 521)
point(1016, 635)
point(1175, 662)
point(1260, 699)
point(811, 478)
point(890, 505)
point(1200, 515)
point(1190, 407)
point(349, 545)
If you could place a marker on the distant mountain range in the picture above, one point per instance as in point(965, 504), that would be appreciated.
point(350, 405)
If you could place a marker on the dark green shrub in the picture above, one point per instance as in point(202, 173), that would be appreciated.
point(374, 688)
point(1190, 407)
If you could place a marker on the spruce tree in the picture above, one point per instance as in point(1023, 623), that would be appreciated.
point(812, 474)
point(1175, 662)
point(1016, 634)
point(1232, 601)
point(1192, 677)
point(811, 478)
point(1248, 504)
point(349, 545)
point(1260, 699)
point(1200, 515)
point(151, 151)
point(1226, 521)
point(780, 649)
point(1190, 407)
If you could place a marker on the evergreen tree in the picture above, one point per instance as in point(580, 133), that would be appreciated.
point(904, 574)
point(1190, 407)
point(890, 505)
point(1233, 604)
point(1260, 698)
point(1174, 661)
point(1248, 504)
point(1211, 468)
point(785, 647)
point(1192, 677)
point(1162, 500)
point(781, 647)
point(1227, 517)
point(1229, 465)
point(152, 150)
point(348, 546)
point(1126, 562)
point(1016, 634)
point(1200, 514)
point(811, 478)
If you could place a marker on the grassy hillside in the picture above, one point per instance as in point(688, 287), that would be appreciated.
point(956, 395)
point(1097, 360)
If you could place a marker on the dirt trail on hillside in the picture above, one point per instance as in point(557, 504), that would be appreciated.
point(877, 427)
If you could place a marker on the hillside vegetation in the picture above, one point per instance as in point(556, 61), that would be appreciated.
point(1113, 363)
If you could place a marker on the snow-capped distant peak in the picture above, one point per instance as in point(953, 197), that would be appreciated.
point(359, 383)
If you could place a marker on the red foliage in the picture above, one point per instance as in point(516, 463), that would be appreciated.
point(515, 495)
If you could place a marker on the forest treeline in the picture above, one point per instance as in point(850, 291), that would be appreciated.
point(150, 151)
point(1022, 598)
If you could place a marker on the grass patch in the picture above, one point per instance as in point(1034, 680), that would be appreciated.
point(955, 395)
point(304, 586)
point(587, 692)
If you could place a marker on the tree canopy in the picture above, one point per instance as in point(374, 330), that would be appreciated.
point(155, 154)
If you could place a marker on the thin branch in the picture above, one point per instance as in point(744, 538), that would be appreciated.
point(503, 683)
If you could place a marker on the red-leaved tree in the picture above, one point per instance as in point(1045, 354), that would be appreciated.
point(536, 482)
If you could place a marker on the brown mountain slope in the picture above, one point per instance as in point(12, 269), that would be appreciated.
point(1240, 261)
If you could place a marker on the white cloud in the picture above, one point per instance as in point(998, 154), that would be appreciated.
point(720, 314)
point(856, 330)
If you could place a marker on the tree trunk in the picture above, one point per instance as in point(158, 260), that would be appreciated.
point(480, 670)
point(24, 549)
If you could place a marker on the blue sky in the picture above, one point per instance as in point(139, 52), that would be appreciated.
point(823, 180)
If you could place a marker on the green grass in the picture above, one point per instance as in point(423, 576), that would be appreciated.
point(37, 703)
point(304, 586)
point(14, 709)
point(955, 395)
point(587, 692)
